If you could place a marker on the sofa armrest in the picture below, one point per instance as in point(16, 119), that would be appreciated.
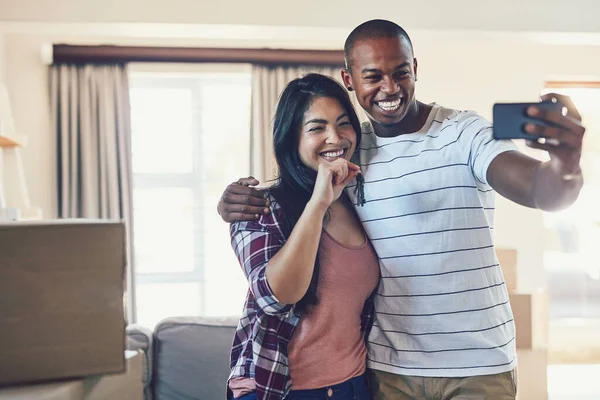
point(140, 338)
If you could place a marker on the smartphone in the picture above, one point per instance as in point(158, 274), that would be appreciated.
point(510, 119)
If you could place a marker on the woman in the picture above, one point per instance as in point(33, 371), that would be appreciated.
point(310, 267)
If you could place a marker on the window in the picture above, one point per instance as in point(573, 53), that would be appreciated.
point(190, 138)
point(571, 256)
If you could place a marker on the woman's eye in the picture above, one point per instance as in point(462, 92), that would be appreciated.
point(316, 129)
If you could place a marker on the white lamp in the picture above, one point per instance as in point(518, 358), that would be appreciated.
point(14, 197)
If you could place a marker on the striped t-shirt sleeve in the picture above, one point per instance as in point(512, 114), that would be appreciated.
point(483, 148)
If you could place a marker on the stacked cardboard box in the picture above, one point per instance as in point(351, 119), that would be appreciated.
point(508, 261)
point(530, 310)
point(61, 290)
point(124, 386)
point(532, 378)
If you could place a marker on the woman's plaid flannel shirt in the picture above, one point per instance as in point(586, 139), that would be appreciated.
point(260, 343)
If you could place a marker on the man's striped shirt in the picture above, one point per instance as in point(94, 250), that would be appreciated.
point(442, 307)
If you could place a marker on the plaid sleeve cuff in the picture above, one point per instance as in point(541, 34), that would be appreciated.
point(266, 300)
point(255, 243)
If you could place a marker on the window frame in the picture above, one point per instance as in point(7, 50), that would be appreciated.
point(193, 180)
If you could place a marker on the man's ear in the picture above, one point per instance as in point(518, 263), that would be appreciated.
point(415, 65)
point(347, 79)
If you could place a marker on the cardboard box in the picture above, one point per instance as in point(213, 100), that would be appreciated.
point(532, 374)
point(508, 262)
point(125, 386)
point(530, 312)
point(71, 390)
point(61, 297)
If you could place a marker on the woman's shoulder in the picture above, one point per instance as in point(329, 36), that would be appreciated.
point(265, 222)
point(275, 215)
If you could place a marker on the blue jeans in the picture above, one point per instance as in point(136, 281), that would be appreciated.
point(353, 389)
point(249, 396)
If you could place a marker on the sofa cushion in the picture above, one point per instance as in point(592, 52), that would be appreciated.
point(191, 357)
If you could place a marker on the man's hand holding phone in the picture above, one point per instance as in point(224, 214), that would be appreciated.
point(553, 125)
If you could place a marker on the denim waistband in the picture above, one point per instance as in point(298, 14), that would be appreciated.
point(355, 384)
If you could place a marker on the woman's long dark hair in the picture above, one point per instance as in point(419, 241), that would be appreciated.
point(295, 182)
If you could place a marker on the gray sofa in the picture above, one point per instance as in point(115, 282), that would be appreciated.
point(185, 358)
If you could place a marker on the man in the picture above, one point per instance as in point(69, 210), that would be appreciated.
point(444, 328)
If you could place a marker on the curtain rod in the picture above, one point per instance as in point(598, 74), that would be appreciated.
point(77, 54)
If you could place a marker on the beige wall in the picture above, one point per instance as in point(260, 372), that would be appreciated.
point(27, 83)
point(515, 15)
point(2, 58)
point(457, 70)
point(476, 73)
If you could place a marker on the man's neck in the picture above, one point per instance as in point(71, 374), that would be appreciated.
point(414, 120)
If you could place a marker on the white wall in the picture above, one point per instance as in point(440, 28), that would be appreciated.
point(462, 70)
point(27, 83)
point(477, 72)
point(514, 15)
point(2, 58)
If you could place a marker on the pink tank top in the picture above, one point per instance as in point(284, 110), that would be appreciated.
point(327, 346)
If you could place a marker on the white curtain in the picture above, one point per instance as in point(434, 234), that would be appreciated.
point(91, 112)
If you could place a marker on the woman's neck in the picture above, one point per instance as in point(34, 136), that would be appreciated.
point(343, 223)
point(340, 204)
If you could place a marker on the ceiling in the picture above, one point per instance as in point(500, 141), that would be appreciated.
point(486, 15)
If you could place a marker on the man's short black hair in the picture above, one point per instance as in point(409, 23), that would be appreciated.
point(373, 29)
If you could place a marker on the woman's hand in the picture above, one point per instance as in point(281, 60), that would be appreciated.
point(332, 178)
